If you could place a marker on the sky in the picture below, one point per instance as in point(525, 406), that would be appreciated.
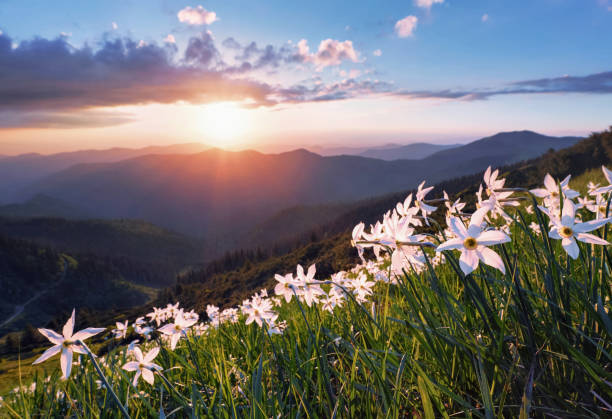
point(277, 75)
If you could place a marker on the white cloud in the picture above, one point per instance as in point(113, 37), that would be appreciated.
point(331, 52)
point(377, 53)
point(65, 34)
point(170, 39)
point(405, 27)
point(196, 16)
point(485, 17)
point(353, 74)
point(114, 26)
point(426, 4)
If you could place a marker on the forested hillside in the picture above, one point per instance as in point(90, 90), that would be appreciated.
point(39, 283)
point(142, 252)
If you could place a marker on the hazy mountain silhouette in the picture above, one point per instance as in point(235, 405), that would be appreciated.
point(220, 194)
point(410, 151)
point(349, 151)
point(21, 170)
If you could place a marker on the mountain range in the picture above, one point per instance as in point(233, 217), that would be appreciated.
point(19, 171)
point(223, 195)
point(412, 151)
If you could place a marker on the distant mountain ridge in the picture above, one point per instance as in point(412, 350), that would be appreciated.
point(349, 151)
point(514, 145)
point(222, 195)
point(412, 151)
point(18, 171)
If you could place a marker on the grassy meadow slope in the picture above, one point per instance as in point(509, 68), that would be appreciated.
point(532, 338)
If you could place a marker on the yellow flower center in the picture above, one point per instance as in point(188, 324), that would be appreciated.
point(555, 194)
point(566, 232)
point(66, 343)
point(177, 327)
point(470, 243)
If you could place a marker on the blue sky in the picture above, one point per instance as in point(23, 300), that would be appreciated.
point(439, 70)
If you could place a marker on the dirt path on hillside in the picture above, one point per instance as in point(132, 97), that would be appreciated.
point(19, 309)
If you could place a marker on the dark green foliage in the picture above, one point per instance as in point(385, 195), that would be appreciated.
point(42, 206)
point(142, 252)
point(198, 288)
point(24, 268)
point(40, 284)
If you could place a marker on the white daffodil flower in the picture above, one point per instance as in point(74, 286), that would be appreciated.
point(550, 192)
point(143, 365)
point(259, 310)
point(310, 290)
point(492, 183)
point(604, 189)
point(599, 206)
point(361, 287)
point(121, 331)
point(66, 343)
point(473, 243)
point(405, 209)
point(287, 287)
point(452, 207)
point(177, 329)
point(157, 315)
point(568, 230)
point(420, 204)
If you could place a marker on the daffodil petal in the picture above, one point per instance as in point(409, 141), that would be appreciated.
point(491, 258)
point(48, 354)
point(54, 337)
point(571, 247)
point(591, 238)
point(468, 261)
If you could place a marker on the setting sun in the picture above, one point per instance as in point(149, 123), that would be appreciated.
point(225, 123)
